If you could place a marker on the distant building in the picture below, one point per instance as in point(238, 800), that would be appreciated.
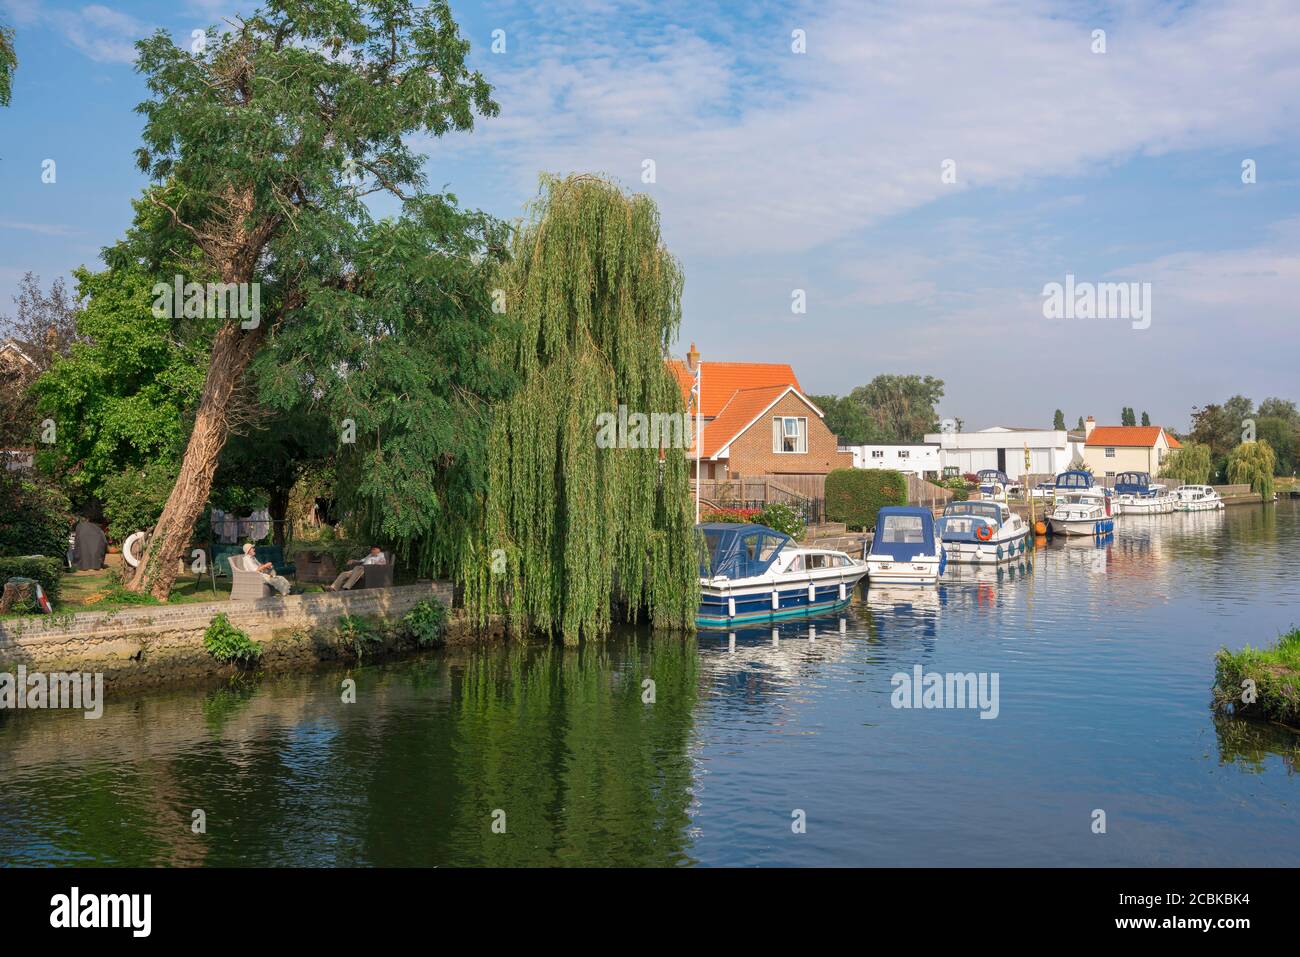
point(919, 459)
point(1111, 449)
point(757, 421)
point(1051, 451)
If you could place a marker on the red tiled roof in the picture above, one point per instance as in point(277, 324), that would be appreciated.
point(722, 380)
point(745, 404)
point(1173, 442)
point(1131, 436)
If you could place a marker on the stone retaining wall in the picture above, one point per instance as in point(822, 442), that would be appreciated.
point(156, 643)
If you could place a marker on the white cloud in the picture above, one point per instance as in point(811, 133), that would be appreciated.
point(101, 33)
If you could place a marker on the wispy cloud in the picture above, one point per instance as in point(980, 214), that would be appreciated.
point(44, 229)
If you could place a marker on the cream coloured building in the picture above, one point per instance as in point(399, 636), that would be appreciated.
point(1111, 449)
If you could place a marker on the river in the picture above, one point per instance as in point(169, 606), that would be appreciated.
point(785, 748)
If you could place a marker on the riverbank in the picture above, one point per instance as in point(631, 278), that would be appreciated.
point(158, 644)
point(1261, 682)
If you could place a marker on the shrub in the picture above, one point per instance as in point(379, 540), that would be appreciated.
point(739, 516)
point(426, 622)
point(134, 499)
point(854, 496)
point(357, 634)
point(1274, 674)
point(784, 518)
point(225, 642)
point(35, 518)
point(47, 571)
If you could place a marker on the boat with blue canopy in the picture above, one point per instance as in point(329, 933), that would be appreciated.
point(1081, 507)
point(993, 483)
point(1135, 494)
point(988, 532)
point(905, 549)
point(752, 573)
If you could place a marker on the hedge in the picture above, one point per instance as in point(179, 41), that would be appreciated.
point(35, 517)
point(47, 571)
point(854, 496)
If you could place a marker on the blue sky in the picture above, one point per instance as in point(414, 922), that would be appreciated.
point(821, 171)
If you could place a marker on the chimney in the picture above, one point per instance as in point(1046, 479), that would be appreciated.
point(692, 358)
point(1088, 425)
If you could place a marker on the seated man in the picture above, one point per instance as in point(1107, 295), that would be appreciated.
point(250, 564)
point(351, 576)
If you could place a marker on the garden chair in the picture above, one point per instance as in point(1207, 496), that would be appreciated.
point(247, 586)
point(379, 576)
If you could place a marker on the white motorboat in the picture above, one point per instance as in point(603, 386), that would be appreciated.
point(1081, 508)
point(1197, 498)
point(976, 533)
point(754, 574)
point(905, 549)
point(1136, 495)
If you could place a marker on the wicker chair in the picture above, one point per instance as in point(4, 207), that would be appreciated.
point(379, 576)
point(247, 586)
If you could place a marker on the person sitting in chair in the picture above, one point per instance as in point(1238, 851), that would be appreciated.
point(265, 569)
point(350, 576)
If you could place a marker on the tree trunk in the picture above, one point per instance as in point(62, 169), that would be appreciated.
point(232, 350)
point(279, 509)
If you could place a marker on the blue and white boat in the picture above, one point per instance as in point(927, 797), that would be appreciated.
point(993, 484)
point(1136, 495)
point(905, 549)
point(1081, 508)
point(975, 533)
point(755, 574)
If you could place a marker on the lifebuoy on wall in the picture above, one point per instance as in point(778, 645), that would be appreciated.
point(128, 547)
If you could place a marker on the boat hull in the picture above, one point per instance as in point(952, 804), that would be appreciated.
point(1197, 506)
point(987, 553)
point(725, 605)
point(1082, 526)
point(886, 571)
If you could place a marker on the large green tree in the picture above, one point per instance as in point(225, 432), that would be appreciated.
point(8, 63)
point(1253, 464)
point(1058, 421)
point(571, 521)
point(889, 408)
point(262, 145)
point(1191, 464)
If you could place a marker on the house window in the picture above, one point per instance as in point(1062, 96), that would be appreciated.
point(877, 453)
point(789, 434)
point(1110, 453)
point(903, 453)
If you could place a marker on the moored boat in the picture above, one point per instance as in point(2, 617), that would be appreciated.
point(976, 533)
point(1136, 495)
point(905, 549)
point(1197, 498)
point(1081, 508)
point(755, 574)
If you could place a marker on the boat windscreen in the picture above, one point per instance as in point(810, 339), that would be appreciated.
point(990, 510)
point(740, 551)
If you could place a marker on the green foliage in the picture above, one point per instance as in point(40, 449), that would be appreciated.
point(959, 487)
point(226, 643)
point(890, 408)
point(1127, 416)
point(357, 634)
point(8, 62)
point(784, 518)
point(597, 300)
point(122, 399)
point(426, 623)
point(1146, 419)
point(35, 517)
point(1220, 428)
point(1275, 674)
point(1253, 464)
point(47, 571)
point(854, 496)
point(1191, 464)
point(134, 499)
point(1058, 421)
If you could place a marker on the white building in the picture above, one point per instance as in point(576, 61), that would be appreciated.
point(1051, 451)
point(922, 460)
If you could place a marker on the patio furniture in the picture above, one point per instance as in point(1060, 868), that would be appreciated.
point(247, 586)
point(379, 576)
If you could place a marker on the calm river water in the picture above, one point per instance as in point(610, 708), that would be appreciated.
point(1104, 657)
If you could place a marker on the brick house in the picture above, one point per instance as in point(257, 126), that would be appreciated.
point(757, 421)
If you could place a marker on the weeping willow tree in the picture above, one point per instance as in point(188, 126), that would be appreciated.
point(1253, 464)
point(572, 531)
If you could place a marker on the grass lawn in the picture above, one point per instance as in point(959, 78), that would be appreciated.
point(93, 591)
point(1274, 673)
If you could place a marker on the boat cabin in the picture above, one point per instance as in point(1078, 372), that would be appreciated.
point(1133, 483)
point(903, 533)
point(1073, 481)
point(739, 551)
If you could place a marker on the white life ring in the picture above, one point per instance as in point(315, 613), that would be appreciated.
point(129, 545)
